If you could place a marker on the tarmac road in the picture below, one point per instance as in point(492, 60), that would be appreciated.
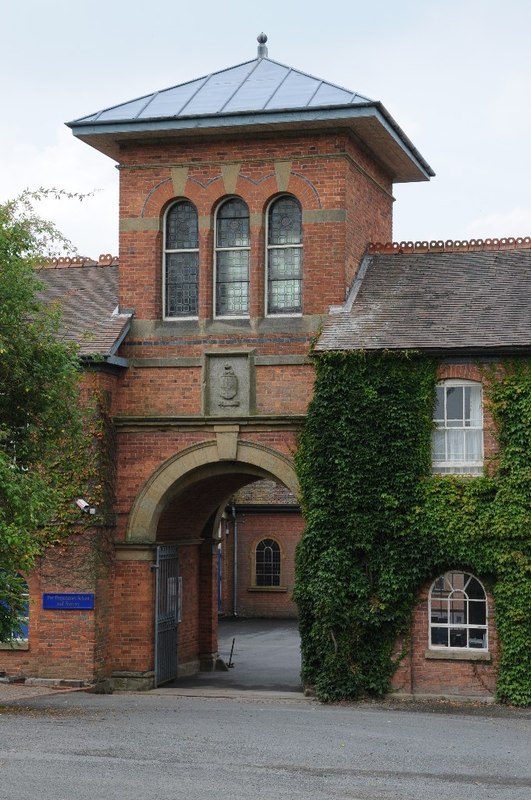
point(266, 657)
point(162, 746)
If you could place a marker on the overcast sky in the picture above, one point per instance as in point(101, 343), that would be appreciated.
point(455, 75)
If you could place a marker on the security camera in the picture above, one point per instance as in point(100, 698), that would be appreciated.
point(84, 506)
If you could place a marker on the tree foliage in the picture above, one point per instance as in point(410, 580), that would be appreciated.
point(379, 526)
point(43, 444)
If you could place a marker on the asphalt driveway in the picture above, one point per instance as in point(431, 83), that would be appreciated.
point(159, 746)
point(266, 658)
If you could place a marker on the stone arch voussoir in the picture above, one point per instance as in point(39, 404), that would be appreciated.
point(198, 462)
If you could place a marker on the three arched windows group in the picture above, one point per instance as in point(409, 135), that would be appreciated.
point(232, 248)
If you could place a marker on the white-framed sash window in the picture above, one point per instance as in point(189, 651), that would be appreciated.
point(458, 435)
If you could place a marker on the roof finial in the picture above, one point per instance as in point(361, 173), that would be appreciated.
point(262, 49)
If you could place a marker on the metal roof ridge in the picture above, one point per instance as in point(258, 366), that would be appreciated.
point(315, 78)
point(94, 117)
point(253, 68)
point(315, 92)
point(204, 81)
point(146, 104)
point(286, 76)
point(97, 114)
point(450, 246)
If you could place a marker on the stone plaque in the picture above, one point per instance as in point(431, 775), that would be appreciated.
point(228, 384)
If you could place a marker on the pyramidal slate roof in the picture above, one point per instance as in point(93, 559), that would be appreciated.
point(258, 96)
point(254, 86)
point(88, 297)
point(468, 301)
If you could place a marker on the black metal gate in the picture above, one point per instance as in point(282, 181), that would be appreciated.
point(166, 613)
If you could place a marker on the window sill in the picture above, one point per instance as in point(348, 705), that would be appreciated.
point(458, 655)
point(267, 589)
point(286, 315)
point(193, 320)
point(464, 471)
point(15, 645)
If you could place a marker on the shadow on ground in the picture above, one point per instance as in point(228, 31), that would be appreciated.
point(266, 657)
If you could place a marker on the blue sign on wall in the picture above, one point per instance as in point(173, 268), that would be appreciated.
point(68, 602)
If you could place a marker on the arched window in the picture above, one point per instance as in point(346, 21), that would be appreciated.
point(267, 563)
point(458, 612)
point(181, 261)
point(458, 434)
point(232, 259)
point(284, 257)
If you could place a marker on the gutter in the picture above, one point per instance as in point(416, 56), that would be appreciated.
point(85, 130)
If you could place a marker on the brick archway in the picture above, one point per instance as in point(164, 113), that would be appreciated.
point(202, 461)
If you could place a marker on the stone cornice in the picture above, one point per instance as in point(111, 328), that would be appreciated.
point(293, 422)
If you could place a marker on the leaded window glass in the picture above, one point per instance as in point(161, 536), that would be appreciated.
point(232, 259)
point(458, 435)
point(284, 257)
point(267, 563)
point(458, 612)
point(181, 266)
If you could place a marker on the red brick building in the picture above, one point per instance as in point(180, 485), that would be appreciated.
point(259, 534)
point(466, 304)
point(248, 199)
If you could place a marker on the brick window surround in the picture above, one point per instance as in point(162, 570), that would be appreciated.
point(457, 618)
point(458, 436)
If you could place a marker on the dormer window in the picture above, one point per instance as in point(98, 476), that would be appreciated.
point(181, 261)
point(232, 259)
point(284, 257)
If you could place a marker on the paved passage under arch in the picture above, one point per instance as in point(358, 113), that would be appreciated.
point(266, 658)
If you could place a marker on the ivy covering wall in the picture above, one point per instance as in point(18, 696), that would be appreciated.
point(379, 525)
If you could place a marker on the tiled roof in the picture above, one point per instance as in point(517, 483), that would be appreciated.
point(264, 492)
point(466, 296)
point(87, 292)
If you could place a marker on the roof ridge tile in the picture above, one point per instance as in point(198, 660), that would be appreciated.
point(451, 245)
point(69, 262)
